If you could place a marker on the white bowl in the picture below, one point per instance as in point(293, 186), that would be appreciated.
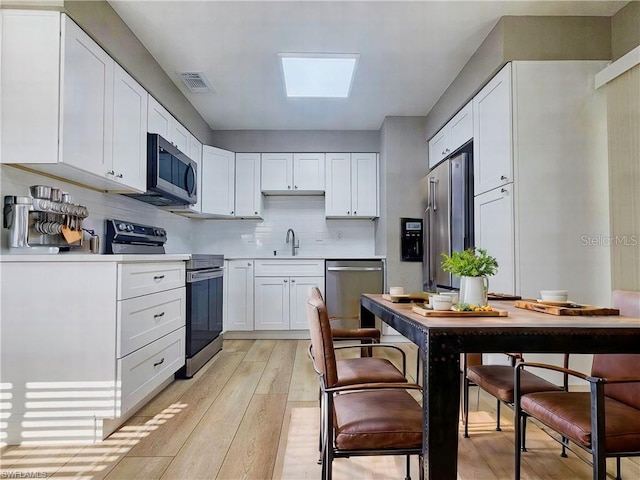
point(441, 302)
point(396, 291)
point(554, 295)
point(453, 295)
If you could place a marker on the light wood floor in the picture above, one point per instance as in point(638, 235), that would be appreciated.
point(231, 420)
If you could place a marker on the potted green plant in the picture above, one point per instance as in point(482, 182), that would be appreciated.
point(473, 266)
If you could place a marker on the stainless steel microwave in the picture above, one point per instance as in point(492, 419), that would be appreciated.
point(171, 175)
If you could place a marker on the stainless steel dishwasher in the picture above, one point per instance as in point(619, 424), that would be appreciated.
point(345, 280)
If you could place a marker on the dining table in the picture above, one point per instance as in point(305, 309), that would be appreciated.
point(441, 340)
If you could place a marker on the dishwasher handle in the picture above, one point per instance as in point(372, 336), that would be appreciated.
point(354, 269)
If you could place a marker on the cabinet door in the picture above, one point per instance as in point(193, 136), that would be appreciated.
point(158, 119)
point(338, 185)
point(299, 289)
point(277, 172)
point(87, 102)
point(238, 303)
point(29, 116)
point(218, 181)
point(195, 154)
point(179, 136)
point(492, 139)
point(461, 127)
point(247, 186)
point(364, 184)
point(308, 172)
point(494, 231)
point(129, 131)
point(271, 303)
point(439, 147)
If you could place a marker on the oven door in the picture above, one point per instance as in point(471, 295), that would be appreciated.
point(204, 308)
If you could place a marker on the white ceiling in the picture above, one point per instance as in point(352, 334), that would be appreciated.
point(409, 53)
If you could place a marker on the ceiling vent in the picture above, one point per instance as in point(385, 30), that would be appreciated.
point(196, 82)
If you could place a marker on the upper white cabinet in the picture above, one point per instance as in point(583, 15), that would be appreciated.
point(293, 173)
point(351, 185)
point(457, 132)
point(160, 121)
point(492, 137)
point(248, 197)
point(63, 123)
point(542, 126)
point(218, 182)
point(129, 130)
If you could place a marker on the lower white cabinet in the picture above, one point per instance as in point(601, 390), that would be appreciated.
point(280, 302)
point(281, 288)
point(238, 296)
point(73, 329)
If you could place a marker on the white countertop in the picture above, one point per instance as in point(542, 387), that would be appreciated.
point(73, 257)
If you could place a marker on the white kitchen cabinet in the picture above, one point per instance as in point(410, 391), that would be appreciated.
point(351, 185)
point(238, 303)
point(457, 132)
point(69, 120)
point(107, 343)
point(218, 182)
point(167, 126)
point(129, 131)
point(494, 231)
point(293, 173)
point(281, 289)
point(550, 131)
point(248, 196)
point(492, 133)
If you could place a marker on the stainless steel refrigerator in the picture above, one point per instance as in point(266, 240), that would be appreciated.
point(447, 193)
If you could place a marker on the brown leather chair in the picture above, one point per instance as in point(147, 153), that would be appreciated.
point(352, 371)
point(364, 335)
point(498, 381)
point(364, 418)
point(605, 421)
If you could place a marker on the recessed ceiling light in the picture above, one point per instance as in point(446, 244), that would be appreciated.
point(318, 74)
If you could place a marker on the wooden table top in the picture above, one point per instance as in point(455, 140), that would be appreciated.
point(517, 318)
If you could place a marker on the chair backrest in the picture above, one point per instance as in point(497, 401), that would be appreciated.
point(322, 340)
point(621, 365)
point(316, 293)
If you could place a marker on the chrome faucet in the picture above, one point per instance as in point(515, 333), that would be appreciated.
point(291, 235)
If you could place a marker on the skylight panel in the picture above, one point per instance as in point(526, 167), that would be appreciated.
point(318, 75)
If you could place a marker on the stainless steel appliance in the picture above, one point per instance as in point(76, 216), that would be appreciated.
point(448, 217)
point(44, 221)
point(171, 175)
point(345, 281)
point(204, 283)
point(205, 274)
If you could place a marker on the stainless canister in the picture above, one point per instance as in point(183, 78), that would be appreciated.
point(94, 244)
point(16, 219)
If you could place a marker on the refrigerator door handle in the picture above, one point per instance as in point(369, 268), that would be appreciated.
point(432, 190)
point(426, 252)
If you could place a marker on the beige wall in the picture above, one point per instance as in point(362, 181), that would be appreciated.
point(522, 38)
point(102, 23)
point(625, 30)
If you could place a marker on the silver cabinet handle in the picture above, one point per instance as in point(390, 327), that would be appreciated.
point(231, 212)
point(159, 363)
point(286, 281)
point(111, 172)
point(502, 177)
point(248, 264)
point(504, 190)
point(354, 269)
point(355, 213)
point(296, 187)
point(255, 213)
point(158, 315)
point(348, 212)
point(119, 175)
point(158, 277)
point(288, 187)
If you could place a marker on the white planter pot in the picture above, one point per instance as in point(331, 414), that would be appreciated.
point(473, 290)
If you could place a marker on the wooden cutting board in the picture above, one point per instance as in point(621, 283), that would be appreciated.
point(452, 313)
point(586, 310)
point(406, 298)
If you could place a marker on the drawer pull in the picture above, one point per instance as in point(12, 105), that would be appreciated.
point(158, 315)
point(159, 363)
point(158, 277)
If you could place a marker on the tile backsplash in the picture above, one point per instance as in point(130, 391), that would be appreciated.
point(317, 235)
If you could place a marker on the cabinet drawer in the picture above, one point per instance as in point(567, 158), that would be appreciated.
point(142, 320)
point(136, 279)
point(140, 372)
point(289, 268)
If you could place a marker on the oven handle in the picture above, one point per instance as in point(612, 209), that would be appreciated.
point(198, 276)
